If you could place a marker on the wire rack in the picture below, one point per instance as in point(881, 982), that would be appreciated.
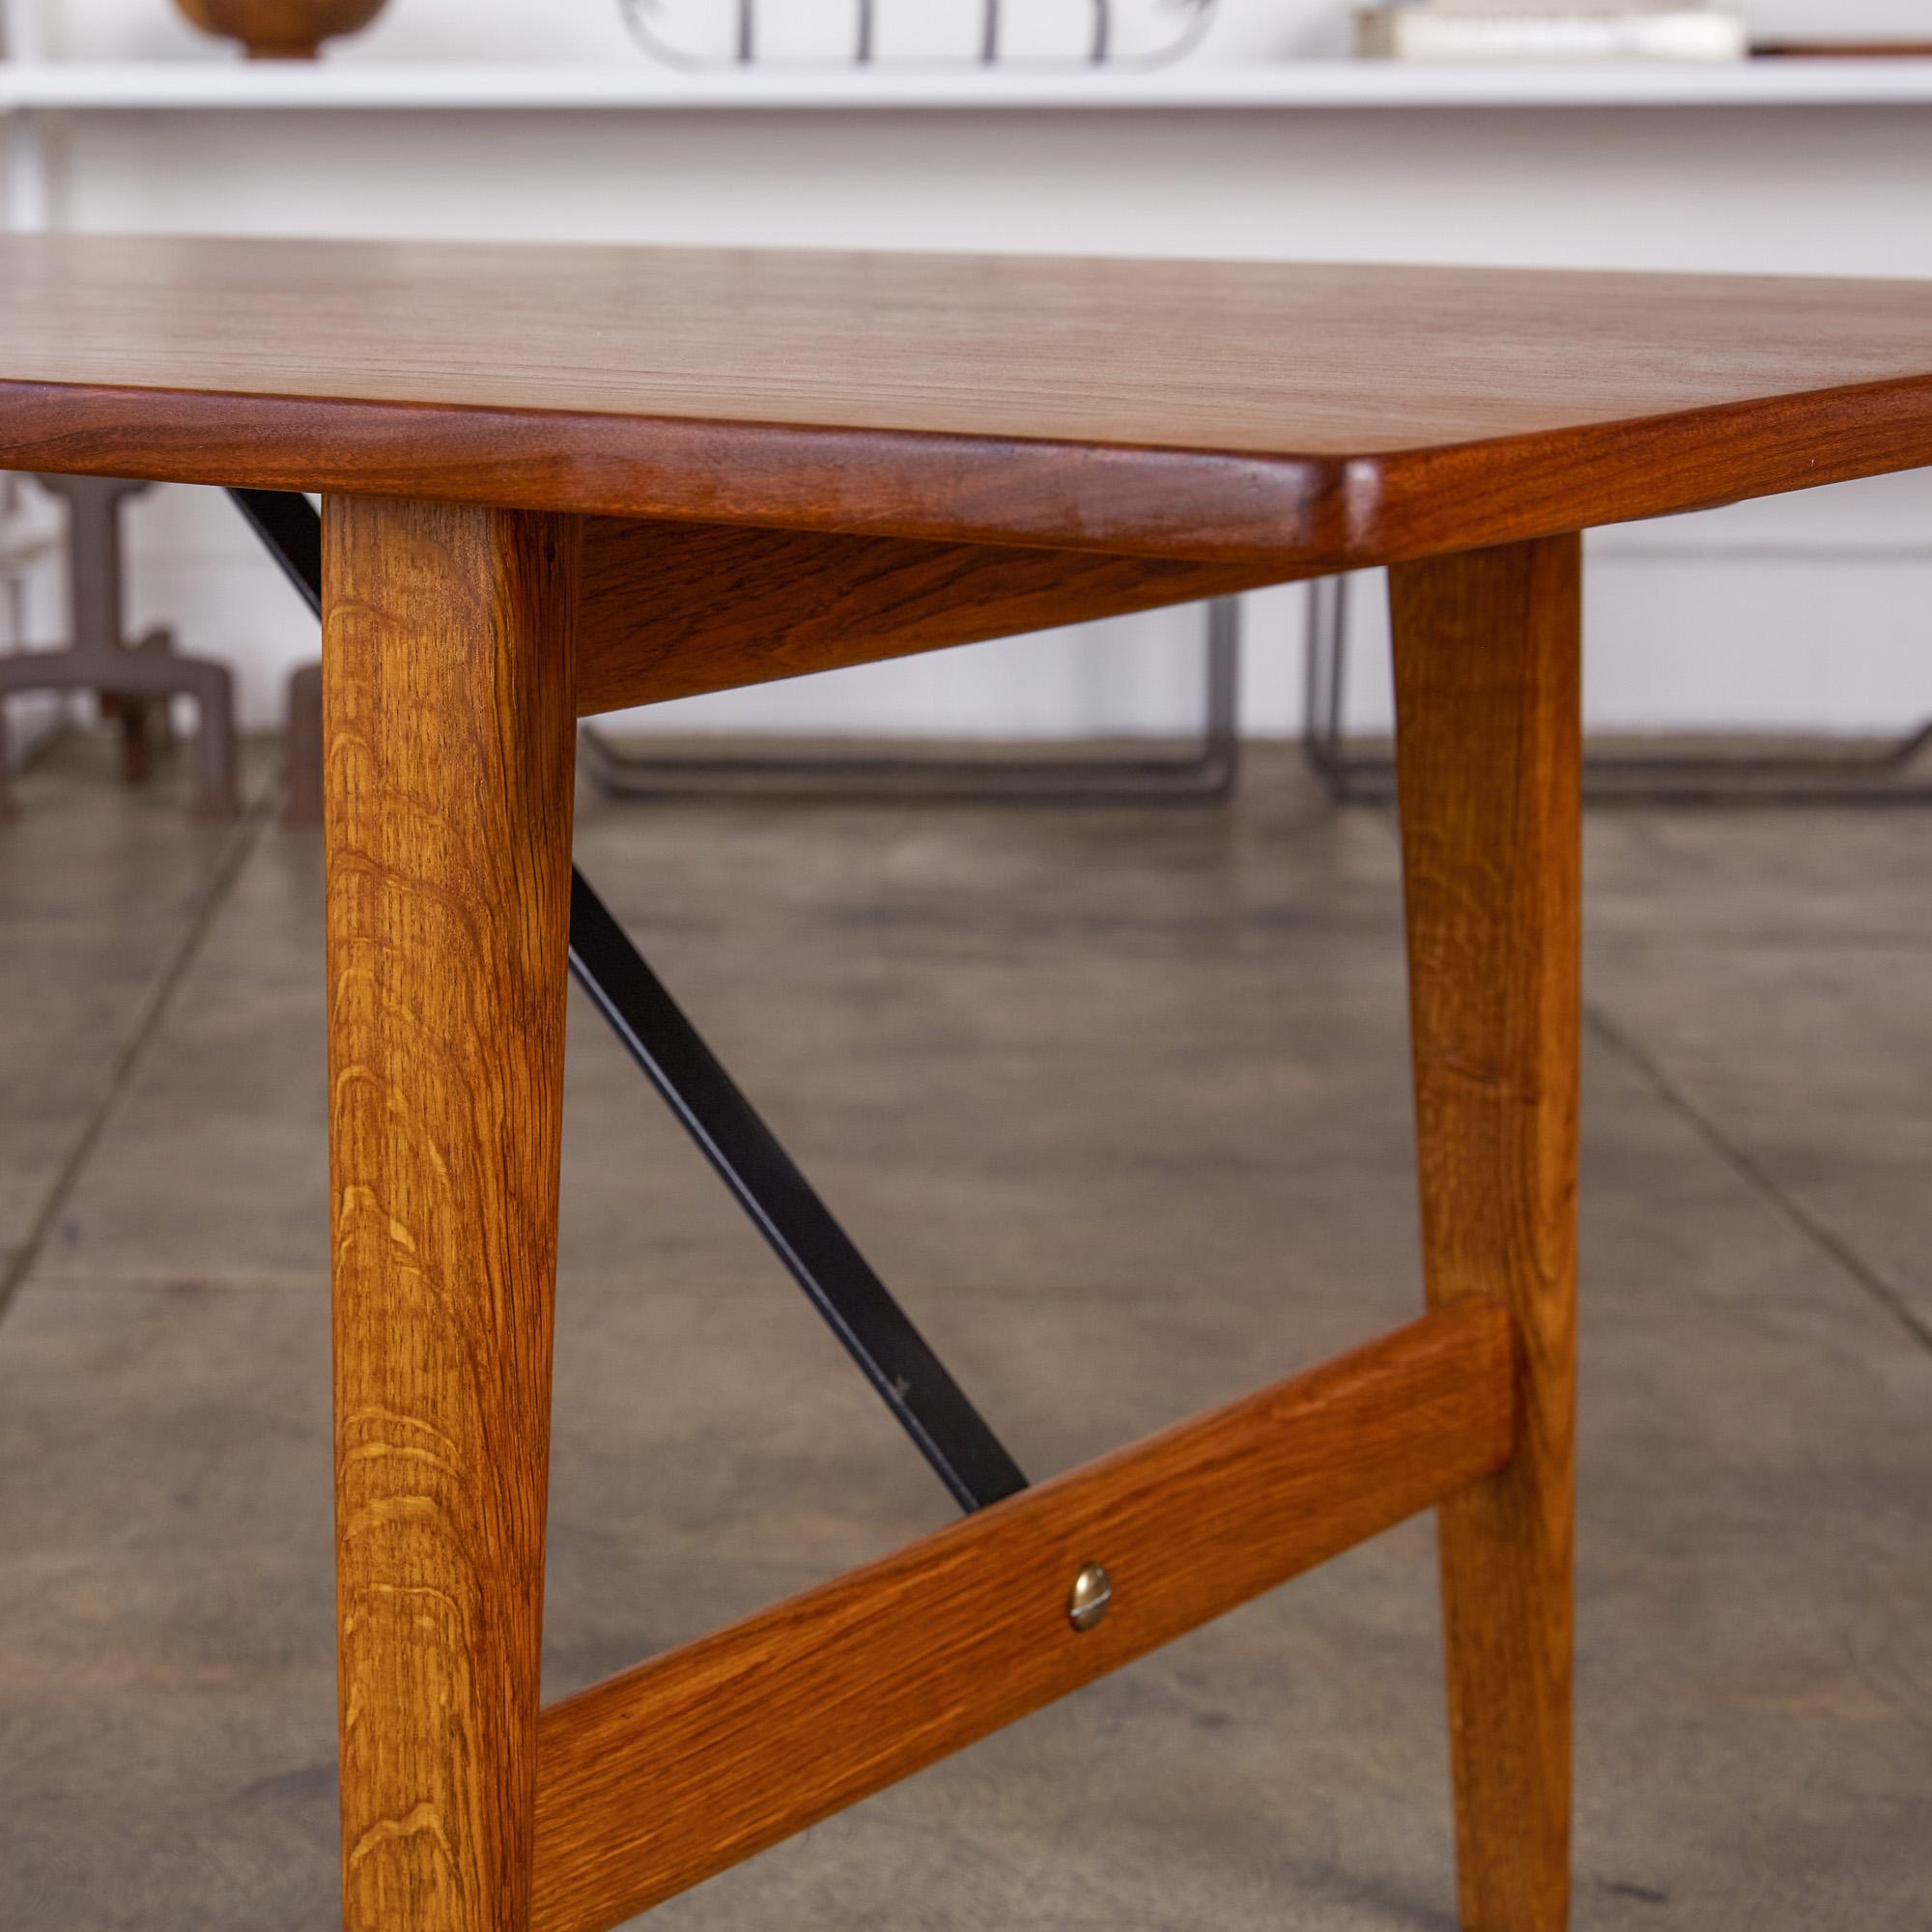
point(1055, 35)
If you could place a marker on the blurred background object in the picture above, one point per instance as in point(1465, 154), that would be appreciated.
point(281, 29)
point(133, 678)
point(22, 544)
point(700, 33)
point(1547, 30)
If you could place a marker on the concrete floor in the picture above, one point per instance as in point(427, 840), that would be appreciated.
point(1117, 1100)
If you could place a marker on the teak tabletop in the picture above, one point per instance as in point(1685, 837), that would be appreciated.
point(562, 480)
point(1312, 415)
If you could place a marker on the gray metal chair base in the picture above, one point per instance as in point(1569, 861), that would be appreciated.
point(134, 679)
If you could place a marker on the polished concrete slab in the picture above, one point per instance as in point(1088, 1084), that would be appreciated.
point(1117, 1100)
point(80, 986)
point(1772, 986)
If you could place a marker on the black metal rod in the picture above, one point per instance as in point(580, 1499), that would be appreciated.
point(291, 533)
point(820, 1256)
point(931, 1408)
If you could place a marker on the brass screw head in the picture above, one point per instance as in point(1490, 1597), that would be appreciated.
point(1092, 1592)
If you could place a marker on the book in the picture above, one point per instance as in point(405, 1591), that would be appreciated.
point(1568, 10)
point(1473, 32)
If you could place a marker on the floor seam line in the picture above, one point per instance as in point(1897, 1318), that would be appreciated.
point(1752, 1171)
point(221, 884)
point(1759, 1178)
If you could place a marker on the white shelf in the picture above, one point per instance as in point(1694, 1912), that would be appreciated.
point(204, 86)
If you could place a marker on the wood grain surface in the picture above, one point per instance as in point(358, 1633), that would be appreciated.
point(448, 733)
point(1315, 415)
point(658, 1778)
point(673, 609)
point(1489, 762)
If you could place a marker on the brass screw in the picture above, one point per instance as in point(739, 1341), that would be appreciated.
point(1087, 1602)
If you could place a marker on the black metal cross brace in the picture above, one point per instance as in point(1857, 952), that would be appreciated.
point(912, 1382)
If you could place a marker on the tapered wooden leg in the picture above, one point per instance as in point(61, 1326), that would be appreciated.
point(450, 717)
point(1487, 652)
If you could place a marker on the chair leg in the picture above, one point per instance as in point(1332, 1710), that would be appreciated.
point(450, 721)
point(132, 715)
point(301, 789)
point(1488, 761)
point(217, 781)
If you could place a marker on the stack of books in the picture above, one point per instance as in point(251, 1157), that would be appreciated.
point(1551, 30)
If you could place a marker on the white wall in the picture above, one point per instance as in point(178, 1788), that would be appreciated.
point(1804, 612)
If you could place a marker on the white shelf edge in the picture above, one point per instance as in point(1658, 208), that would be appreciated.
point(350, 85)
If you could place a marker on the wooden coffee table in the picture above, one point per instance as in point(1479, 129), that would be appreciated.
point(561, 481)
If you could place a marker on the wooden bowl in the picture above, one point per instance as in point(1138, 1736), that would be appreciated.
point(280, 29)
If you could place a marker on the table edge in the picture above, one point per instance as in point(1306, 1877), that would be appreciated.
point(1303, 512)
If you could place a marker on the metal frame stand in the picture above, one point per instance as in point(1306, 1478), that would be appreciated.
point(1884, 774)
point(801, 1230)
point(1203, 776)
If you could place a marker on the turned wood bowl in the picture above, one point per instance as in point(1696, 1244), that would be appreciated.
point(281, 29)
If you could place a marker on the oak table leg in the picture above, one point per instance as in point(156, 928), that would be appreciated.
point(1488, 761)
point(449, 719)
